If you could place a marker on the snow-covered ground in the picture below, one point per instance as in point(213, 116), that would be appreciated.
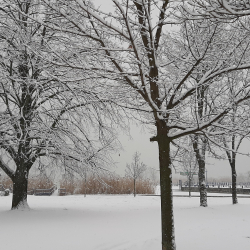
point(122, 222)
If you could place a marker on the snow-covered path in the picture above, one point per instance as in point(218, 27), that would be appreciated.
point(102, 222)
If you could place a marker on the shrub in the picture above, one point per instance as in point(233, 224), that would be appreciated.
point(7, 183)
point(113, 185)
point(104, 184)
point(39, 182)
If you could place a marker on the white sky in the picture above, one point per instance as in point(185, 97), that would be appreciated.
point(149, 150)
point(149, 155)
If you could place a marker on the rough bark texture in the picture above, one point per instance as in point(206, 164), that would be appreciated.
point(199, 145)
point(202, 184)
point(233, 169)
point(232, 161)
point(234, 185)
point(20, 186)
point(168, 236)
point(200, 156)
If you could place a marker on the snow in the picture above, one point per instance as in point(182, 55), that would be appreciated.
point(122, 222)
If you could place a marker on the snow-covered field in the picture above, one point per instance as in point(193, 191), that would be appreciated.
point(106, 222)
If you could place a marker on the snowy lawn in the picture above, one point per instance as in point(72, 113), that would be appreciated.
point(100, 222)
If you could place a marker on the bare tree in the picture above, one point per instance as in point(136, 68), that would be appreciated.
point(238, 119)
point(232, 128)
point(41, 116)
point(135, 169)
point(189, 167)
point(200, 143)
point(157, 70)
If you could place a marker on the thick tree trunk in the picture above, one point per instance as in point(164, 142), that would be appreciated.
point(20, 187)
point(167, 217)
point(234, 183)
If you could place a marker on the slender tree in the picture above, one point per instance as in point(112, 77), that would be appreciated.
point(238, 119)
point(232, 128)
point(135, 169)
point(189, 166)
point(200, 144)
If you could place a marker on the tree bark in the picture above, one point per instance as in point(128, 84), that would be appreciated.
point(200, 156)
point(234, 183)
point(167, 217)
point(231, 156)
point(20, 187)
point(189, 184)
point(202, 184)
point(199, 145)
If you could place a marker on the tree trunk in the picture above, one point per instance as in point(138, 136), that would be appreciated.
point(167, 217)
point(202, 184)
point(234, 183)
point(234, 175)
point(231, 156)
point(85, 183)
point(200, 156)
point(134, 188)
point(189, 184)
point(20, 187)
point(199, 145)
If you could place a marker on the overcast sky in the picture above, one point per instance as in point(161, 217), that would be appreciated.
point(139, 141)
